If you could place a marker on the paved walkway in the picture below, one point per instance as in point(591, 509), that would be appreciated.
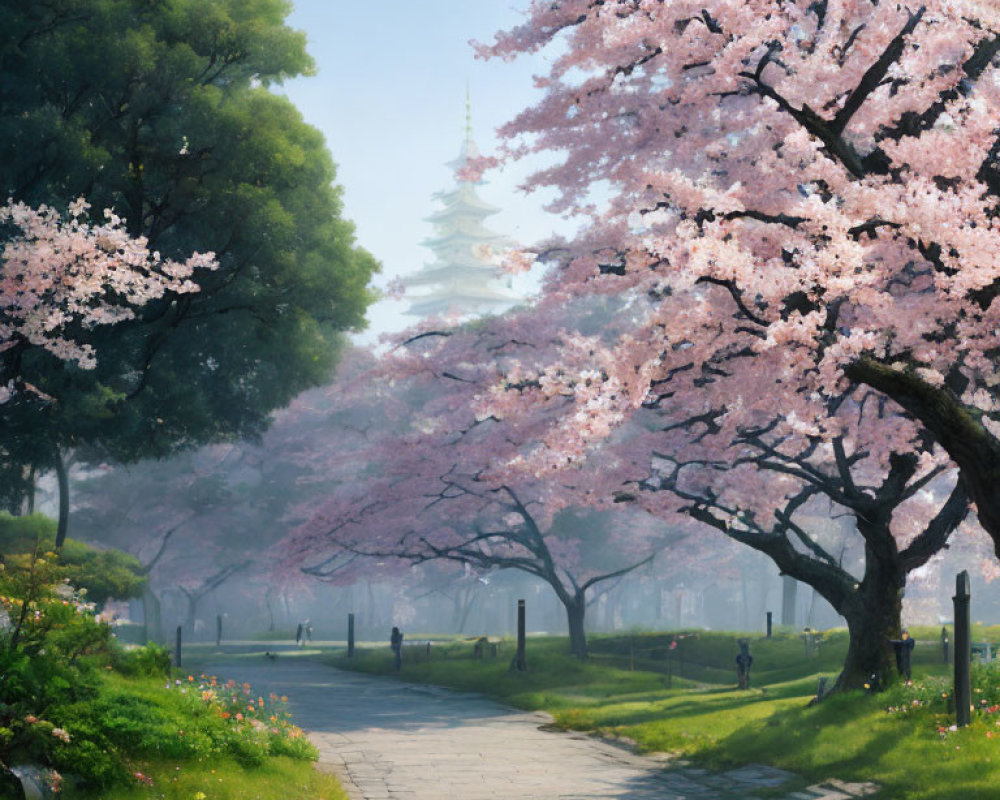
point(388, 740)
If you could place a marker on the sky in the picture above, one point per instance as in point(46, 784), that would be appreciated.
point(389, 95)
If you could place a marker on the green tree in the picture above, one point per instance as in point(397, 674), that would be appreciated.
point(161, 110)
point(104, 574)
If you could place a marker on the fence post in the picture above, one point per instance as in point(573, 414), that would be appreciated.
point(350, 635)
point(177, 648)
point(218, 629)
point(520, 662)
point(963, 653)
point(769, 619)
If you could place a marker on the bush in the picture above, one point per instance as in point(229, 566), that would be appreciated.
point(102, 574)
point(149, 661)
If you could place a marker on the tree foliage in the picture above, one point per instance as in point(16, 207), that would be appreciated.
point(162, 112)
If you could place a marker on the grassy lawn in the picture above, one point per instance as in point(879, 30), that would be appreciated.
point(224, 779)
point(682, 699)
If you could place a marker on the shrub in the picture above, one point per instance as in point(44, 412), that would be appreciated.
point(149, 661)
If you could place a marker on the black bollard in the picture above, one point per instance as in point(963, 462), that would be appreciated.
point(177, 648)
point(963, 652)
point(350, 636)
point(218, 629)
point(520, 662)
point(944, 644)
point(769, 618)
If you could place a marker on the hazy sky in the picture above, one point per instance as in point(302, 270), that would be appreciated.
point(390, 98)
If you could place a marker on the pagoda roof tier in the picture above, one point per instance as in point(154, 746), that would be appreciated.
point(464, 197)
point(441, 302)
point(462, 239)
point(464, 226)
point(459, 273)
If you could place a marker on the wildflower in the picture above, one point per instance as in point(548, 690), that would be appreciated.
point(143, 779)
point(31, 719)
point(61, 734)
point(226, 715)
point(239, 717)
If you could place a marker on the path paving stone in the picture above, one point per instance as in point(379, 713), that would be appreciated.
point(388, 740)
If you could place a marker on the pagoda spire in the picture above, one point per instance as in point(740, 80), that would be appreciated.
point(468, 114)
point(462, 280)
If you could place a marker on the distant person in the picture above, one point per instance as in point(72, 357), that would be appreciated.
point(309, 632)
point(743, 663)
point(298, 635)
point(902, 648)
point(396, 642)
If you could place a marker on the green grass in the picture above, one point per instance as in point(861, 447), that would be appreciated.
point(224, 779)
point(684, 701)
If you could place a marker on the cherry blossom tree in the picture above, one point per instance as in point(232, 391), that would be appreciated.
point(803, 201)
point(767, 492)
point(61, 277)
point(424, 489)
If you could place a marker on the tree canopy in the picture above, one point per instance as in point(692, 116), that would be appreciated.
point(162, 112)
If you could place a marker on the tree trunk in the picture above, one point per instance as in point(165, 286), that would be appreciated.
point(30, 499)
point(576, 607)
point(151, 614)
point(873, 615)
point(189, 617)
point(62, 475)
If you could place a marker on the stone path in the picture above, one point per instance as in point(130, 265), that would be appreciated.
point(388, 740)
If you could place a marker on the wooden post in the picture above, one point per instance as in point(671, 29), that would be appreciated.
point(769, 620)
point(350, 635)
point(963, 653)
point(177, 648)
point(520, 662)
point(218, 629)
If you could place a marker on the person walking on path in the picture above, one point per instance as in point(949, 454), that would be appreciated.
point(396, 643)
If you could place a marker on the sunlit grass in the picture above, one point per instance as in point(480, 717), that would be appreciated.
point(220, 779)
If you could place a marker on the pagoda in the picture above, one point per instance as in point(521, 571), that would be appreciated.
point(462, 281)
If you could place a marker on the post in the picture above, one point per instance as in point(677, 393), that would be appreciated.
point(519, 660)
point(177, 648)
point(789, 590)
point(944, 643)
point(350, 635)
point(218, 629)
point(769, 619)
point(963, 654)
